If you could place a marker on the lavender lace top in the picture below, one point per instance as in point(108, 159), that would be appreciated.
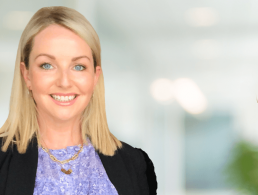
point(88, 174)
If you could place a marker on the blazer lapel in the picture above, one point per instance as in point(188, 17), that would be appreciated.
point(22, 171)
point(117, 173)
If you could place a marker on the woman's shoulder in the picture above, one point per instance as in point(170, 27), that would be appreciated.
point(129, 150)
point(142, 162)
point(131, 154)
point(136, 154)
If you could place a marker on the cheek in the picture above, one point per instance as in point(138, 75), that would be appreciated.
point(85, 83)
point(41, 82)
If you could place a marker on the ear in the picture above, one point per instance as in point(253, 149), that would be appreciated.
point(98, 71)
point(25, 74)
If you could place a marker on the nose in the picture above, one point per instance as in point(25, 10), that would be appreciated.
point(64, 79)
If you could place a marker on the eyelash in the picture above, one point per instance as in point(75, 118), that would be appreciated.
point(52, 66)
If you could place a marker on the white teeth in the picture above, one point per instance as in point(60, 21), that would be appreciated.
point(63, 98)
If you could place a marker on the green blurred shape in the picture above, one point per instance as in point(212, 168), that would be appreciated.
point(242, 169)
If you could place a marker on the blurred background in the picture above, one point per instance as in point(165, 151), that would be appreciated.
point(180, 79)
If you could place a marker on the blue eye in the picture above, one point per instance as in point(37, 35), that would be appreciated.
point(79, 67)
point(46, 66)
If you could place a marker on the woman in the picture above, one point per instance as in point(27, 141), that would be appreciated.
point(56, 138)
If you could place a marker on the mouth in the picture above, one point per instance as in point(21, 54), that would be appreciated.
point(64, 98)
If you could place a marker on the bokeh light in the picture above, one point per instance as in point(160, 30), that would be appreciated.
point(162, 89)
point(189, 96)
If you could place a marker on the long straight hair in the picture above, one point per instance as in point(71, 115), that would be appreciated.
point(22, 125)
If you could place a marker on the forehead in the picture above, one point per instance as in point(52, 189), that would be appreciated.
point(56, 38)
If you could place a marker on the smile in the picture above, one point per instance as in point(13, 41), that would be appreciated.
point(63, 98)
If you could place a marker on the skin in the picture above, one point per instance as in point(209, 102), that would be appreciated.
point(59, 125)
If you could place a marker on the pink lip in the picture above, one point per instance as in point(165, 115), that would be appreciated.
point(69, 103)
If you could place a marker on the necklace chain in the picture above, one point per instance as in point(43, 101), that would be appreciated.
point(63, 161)
point(53, 158)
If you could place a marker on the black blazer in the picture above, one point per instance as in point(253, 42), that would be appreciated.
point(130, 170)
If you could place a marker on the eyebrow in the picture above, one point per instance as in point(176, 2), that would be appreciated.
point(52, 57)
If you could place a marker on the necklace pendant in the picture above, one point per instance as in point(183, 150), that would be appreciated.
point(68, 172)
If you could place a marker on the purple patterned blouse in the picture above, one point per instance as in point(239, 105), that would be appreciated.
point(88, 176)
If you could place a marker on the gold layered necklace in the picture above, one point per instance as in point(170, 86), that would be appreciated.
point(53, 158)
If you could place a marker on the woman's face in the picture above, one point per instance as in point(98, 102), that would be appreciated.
point(61, 73)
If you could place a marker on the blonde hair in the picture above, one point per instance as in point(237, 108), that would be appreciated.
point(22, 125)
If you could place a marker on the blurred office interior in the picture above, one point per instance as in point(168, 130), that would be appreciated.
point(180, 80)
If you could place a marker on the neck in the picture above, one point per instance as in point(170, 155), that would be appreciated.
point(57, 135)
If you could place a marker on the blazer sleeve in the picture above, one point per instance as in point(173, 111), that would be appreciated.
point(150, 173)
